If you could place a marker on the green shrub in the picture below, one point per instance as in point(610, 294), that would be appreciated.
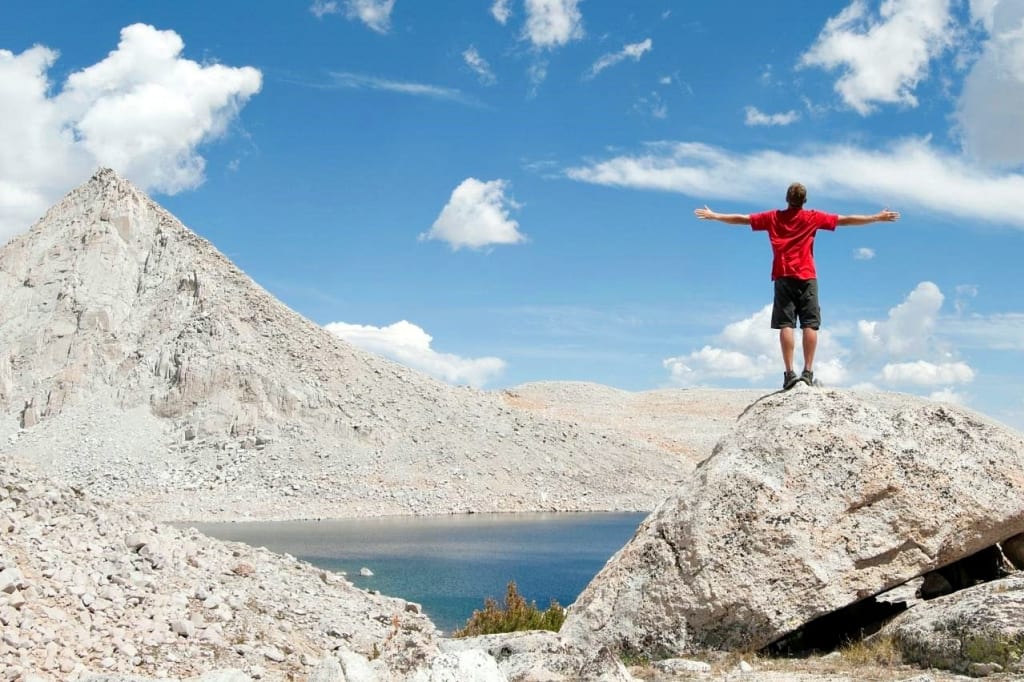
point(513, 616)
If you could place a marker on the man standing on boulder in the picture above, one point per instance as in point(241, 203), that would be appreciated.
point(791, 232)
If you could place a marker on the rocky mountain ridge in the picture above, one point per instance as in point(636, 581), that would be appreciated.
point(137, 360)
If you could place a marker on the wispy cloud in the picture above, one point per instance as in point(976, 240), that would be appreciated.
point(882, 58)
point(863, 253)
point(909, 172)
point(757, 118)
point(501, 11)
point(376, 14)
point(632, 51)
point(321, 8)
point(347, 80)
point(479, 66)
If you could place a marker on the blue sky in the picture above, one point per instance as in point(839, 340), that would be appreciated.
point(500, 192)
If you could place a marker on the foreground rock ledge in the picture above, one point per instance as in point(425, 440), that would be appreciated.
point(817, 500)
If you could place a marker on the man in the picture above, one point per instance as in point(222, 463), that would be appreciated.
point(791, 232)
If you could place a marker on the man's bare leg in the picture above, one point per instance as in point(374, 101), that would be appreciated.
point(788, 342)
point(810, 343)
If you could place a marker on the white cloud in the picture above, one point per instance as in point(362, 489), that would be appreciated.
point(863, 253)
point(321, 8)
point(924, 373)
point(988, 112)
point(665, 80)
point(501, 11)
point(1000, 331)
point(947, 395)
point(884, 58)
point(143, 110)
point(901, 350)
point(479, 66)
point(748, 350)
point(632, 51)
point(408, 344)
point(477, 215)
point(757, 118)
point(537, 73)
point(360, 81)
point(909, 172)
point(653, 104)
point(553, 23)
point(374, 13)
point(909, 328)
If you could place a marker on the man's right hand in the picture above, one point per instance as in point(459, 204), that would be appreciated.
point(705, 213)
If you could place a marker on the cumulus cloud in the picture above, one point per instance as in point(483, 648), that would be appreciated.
point(376, 14)
point(553, 23)
point(758, 118)
point(863, 253)
point(748, 350)
point(882, 58)
point(477, 215)
point(501, 11)
point(632, 51)
point(143, 110)
point(479, 66)
point(908, 172)
point(901, 350)
point(408, 344)
point(908, 330)
point(988, 111)
point(924, 373)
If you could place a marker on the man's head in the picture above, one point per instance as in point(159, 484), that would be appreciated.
point(796, 195)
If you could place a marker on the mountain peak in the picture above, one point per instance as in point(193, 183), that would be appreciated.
point(141, 360)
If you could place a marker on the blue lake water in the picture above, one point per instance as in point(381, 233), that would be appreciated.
point(450, 564)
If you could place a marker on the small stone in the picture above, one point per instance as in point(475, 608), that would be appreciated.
point(365, 572)
point(274, 654)
point(243, 569)
point(183, 628)
point(983, 669)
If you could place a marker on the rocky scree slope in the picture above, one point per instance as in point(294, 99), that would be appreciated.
point(137, 360)
point(87, 585)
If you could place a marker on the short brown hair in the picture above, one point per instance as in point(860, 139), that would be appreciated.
point(796, 195)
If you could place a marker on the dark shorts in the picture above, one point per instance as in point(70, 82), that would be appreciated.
point(796, 298)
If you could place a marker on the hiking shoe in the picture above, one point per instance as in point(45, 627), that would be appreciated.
point(789, 380)
point(807, 377)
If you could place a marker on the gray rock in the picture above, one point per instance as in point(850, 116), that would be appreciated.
point(968, 631)
point(472, 665)
point(327, 670)
point(817, 500)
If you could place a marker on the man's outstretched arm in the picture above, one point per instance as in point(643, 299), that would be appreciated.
point(883, 216)
point(730, 218)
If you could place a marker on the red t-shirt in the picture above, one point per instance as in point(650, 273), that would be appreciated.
point(792, 235)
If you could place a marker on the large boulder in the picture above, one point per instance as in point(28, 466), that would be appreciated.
point(976, 631)
point(817, 499)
